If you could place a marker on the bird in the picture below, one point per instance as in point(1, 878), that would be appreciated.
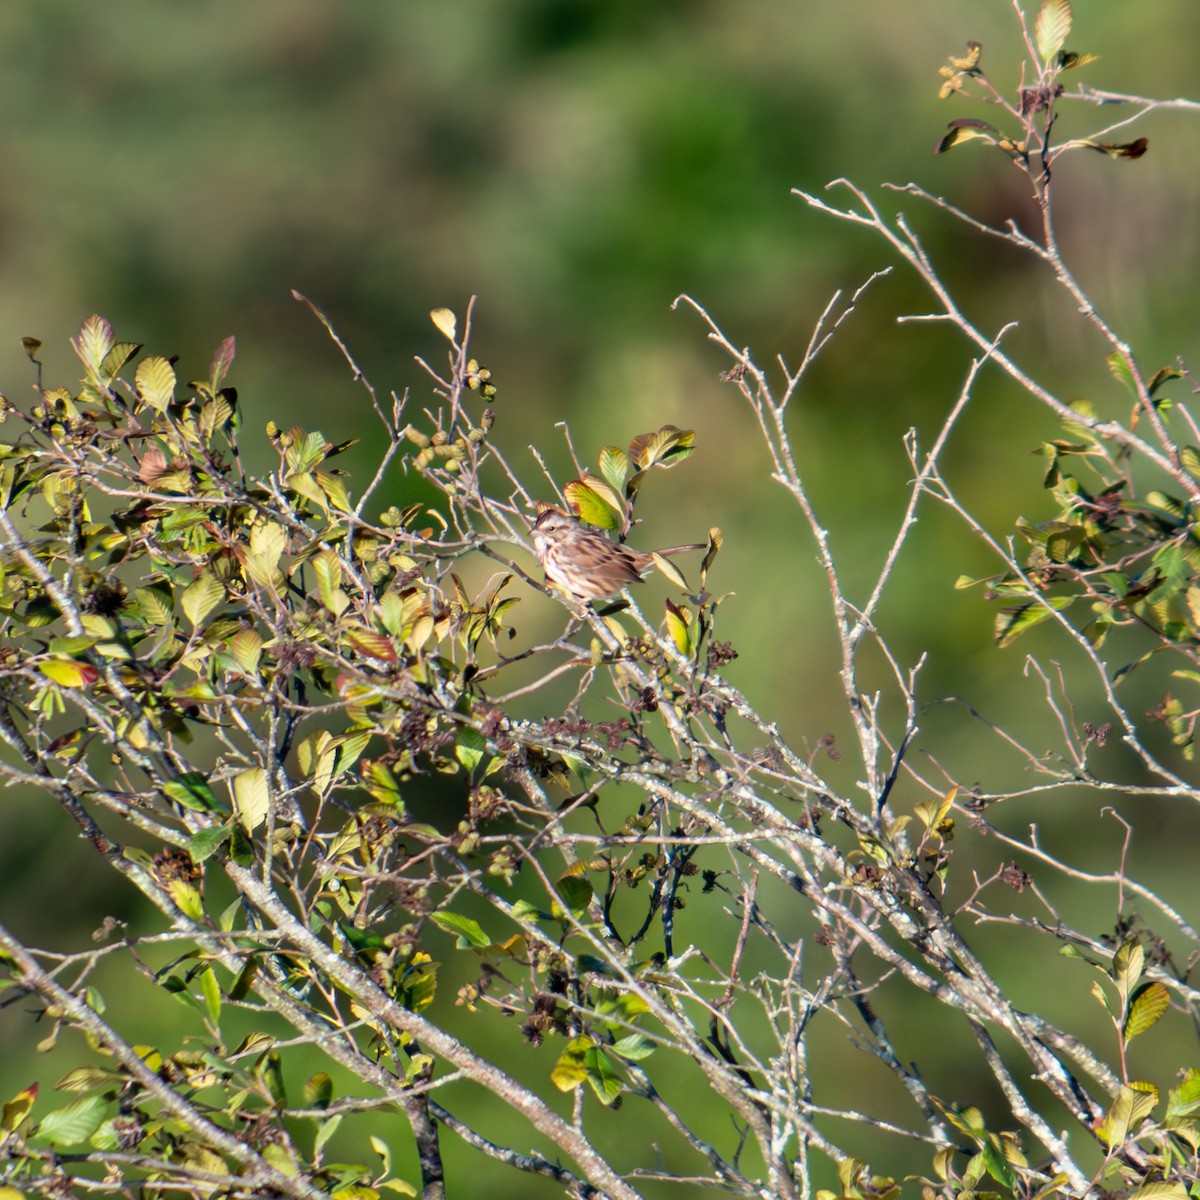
point(581, 562)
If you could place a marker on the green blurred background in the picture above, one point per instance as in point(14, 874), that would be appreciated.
point(576, 165)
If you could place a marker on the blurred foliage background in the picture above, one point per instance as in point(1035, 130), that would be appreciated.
point(577, 164)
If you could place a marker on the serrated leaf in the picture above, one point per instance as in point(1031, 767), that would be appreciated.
point(1051, 27)
point(328, 569)
point(221, 362)
point(93, 341)
point(634, 1046)
point(1131, 1106)
point(1147, 1007)
point(155, 606)
point(73, 1124)
point(664, 447)
point(445, 322)
point(251, 798)
point(1070, 61)
point(372, 644)
point(245, 647)
point(1184, 1100)
point(1128, 964)
point(335, 491)
point(470, 932)
point(614, 466)
point(215, 414)
point(1160, 1189)
point(117, 357)
point(201, 597)
point(267, 543)
point(1118, 368)
point(933, 812)
point(155, 381)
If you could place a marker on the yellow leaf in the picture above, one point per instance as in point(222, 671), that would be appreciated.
point(1147, 1007)
point(155, 380)
point(570, 1071)
point(251, 798)
point(446, 322)
point(201, 597)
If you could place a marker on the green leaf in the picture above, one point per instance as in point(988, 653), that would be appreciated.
point(1147, 1007)
point(203, 845)
point(469, 747)
point(155, 606)
point(211, 990)
point(575, 892)
point(1160, 1189)
point(251, 798)
point(117, 357)
point(966, 129)
point(602, 1076)
point(1012, 622)
point(614, 466)
point(187, 899)
point(470, 932)
point(1184, 1100)
point(191, 790)
point(318, 1090)
point(1051, 28)
point(1119, 369)
point(997, 1165)
point(634, 1047)
point(678, 629)
point(74, 1124)
point(587, 503)
point(325, 1132)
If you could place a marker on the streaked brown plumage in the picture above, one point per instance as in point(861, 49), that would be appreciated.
point(583, 563)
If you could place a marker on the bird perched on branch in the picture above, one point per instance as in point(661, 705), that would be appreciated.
point(586, 565)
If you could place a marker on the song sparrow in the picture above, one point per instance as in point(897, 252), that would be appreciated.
point(583, 562)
